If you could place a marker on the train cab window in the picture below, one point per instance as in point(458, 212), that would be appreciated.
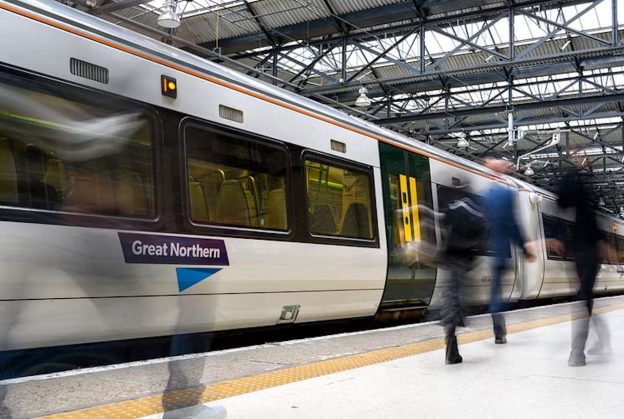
point(234, 181)
point(64, 150)
point(339, 200)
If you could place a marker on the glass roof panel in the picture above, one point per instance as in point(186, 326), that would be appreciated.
point(195, 7)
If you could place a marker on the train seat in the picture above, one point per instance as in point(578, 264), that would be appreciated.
point(8, 176)
point(56, 176)
point(251, 194)
point(322, 220)
point(276, 216)
point(93, 193)
point(211, 182)
point(253, 208)
point(356, 221)
point(232, 206)
point(131, 195)
point(199, 209)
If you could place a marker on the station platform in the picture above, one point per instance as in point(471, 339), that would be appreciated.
point(396, 372)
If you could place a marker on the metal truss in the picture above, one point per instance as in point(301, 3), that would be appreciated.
point(439, 95)
point(438, 68)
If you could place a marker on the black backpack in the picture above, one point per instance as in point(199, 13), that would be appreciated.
point(465, 227)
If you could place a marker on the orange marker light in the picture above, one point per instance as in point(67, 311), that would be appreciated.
point(169, 87)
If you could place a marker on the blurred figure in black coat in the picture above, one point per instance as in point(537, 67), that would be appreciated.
point(588, 247)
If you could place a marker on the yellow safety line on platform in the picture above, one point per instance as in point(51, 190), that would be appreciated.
point(178, 399)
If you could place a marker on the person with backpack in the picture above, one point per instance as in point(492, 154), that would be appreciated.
point(464, 231)
point(499, 204)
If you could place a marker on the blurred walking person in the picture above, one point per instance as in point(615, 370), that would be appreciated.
point(464, 230)
point(499, 205)
point(588, 245)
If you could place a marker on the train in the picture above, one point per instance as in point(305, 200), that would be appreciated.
point(146, 191)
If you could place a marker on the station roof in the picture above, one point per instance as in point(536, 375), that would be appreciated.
point(436, 70)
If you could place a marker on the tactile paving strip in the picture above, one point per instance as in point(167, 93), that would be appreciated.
point(178, 399)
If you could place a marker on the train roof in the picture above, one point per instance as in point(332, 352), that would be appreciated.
point(126, 37)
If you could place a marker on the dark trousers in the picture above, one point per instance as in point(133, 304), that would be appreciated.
point(452, 312)
point(587, 266)
point(496, 302)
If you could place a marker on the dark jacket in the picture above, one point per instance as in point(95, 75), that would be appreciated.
point(465, 228)
point(574, 193)
point(499, 206)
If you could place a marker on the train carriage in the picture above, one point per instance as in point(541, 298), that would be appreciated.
point(145, 191)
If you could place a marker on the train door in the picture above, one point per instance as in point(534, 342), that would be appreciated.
point(410, 228)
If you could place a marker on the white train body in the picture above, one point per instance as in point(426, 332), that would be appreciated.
point(65, 278)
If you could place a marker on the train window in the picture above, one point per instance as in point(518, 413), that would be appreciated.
point(339, 200)
point(620, 247)
point(613, 255)
point(84, 155)
point(567, 232)
point(234, 181)
point(554, 235)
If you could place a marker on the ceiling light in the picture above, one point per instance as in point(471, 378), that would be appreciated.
point(462, 142)
point(169, 18)
point(362, 101)
point(601, 202)
point(529, 170)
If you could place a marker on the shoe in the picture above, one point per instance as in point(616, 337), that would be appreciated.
point(452, 351)
point(499, 340)
point(577, 359)
point(600, 349)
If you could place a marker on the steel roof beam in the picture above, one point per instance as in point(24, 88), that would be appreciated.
point(403, 64)
point(524, 122)
point(312, 69)
point(532, 67)
point(558, 28)
point(340, 24)
point(378, 16)
point(503, 108)
point(265, 31)
point(114, 7)
point(463, 42)
point(566, 26)
point(378, 57)
point(312, 63)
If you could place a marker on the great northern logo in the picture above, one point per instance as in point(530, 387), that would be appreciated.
point(172, 250)
point(175, 250)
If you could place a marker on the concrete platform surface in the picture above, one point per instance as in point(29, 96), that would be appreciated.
point(528, 377)
point(320, 377)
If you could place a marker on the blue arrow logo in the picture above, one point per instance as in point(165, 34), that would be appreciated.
point(187, 277)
